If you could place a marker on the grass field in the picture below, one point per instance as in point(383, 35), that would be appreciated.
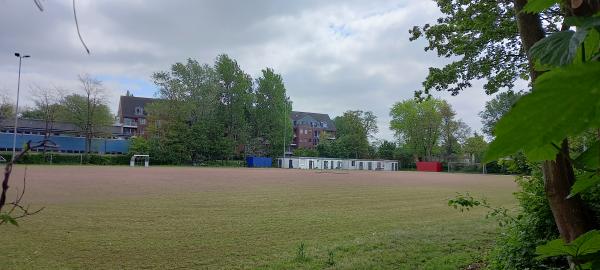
point(210, 218)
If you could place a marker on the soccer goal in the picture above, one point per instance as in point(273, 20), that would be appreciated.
point(466, 167)
point(139, 160)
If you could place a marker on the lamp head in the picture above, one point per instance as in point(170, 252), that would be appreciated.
point(17, 54)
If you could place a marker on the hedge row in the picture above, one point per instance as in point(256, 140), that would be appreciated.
point(96, 159)
point(61, 158)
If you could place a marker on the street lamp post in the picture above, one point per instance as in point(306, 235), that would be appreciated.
point(17, 105)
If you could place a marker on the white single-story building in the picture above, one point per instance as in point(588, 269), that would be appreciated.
point(321, 163)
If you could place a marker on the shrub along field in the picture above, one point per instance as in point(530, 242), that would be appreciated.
point(224, 218)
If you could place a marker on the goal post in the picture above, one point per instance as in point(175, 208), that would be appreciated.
point(467, 167)
point(142, 158)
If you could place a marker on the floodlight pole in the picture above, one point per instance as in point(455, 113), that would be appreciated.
point(17, 105)
point(284, 127)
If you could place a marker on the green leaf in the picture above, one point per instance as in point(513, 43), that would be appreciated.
point(565, 101)
point(590, 158)
point(536, 6)
point(558, 49)
point(592, 44)
point(587, 243)
point(7, 218)
point(585, 181)
point(555, 248)
point(583, 22)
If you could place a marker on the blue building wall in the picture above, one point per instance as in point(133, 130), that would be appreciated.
point(67, 144)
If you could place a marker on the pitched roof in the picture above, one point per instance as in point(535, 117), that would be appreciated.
point(127, 105)
point(319, 117)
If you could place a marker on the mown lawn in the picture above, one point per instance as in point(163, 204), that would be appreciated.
point(189, 218)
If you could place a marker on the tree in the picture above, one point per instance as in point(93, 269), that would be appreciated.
point(90, 115)
point(547, 142)
point(272, 113)
point(88, 110)
point(418, 126)
point(475, 146)
point(353, 130)
point(496, 108)
point(484, 38)
point(453, 132)
point(387, 150)
point(47, 108)
point(7, 109)
point(187, 125)
point(236, 97)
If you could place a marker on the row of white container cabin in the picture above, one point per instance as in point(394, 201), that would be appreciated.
point(336, 164)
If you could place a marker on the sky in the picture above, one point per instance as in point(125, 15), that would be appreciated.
point(333, 55)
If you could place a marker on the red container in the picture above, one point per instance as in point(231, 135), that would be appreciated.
point(429, 166)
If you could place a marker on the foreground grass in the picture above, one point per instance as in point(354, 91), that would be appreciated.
point(258, 227)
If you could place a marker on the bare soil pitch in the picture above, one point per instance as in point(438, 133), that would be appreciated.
point(56, 184)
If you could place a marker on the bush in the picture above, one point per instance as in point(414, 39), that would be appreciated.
point(66, 159)
point(533, 226)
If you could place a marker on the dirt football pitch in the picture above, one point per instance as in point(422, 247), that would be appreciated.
point(101, 217)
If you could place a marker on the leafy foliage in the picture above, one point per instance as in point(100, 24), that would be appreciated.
point(496, 108)
point(536, 6)
point(483, 38)
point(271, 116)
point(354, 128)
point(418, 125)
point(579, 249)
point(531, 128)
point(532, 225)
point(559, 48)
point(475, 146)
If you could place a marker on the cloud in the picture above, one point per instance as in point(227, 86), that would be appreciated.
point(334, 55)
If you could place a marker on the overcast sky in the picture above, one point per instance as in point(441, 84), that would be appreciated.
point(333, 55)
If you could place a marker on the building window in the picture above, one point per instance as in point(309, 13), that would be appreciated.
point(353, 163)
point(139, 110)
point(142, 121)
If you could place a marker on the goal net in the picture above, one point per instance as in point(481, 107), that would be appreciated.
point(139, 160)
point(466, 167)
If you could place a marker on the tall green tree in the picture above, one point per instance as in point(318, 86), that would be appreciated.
point(418, 126)
point(186, 125)
point(496, 108)
point(453, 132)
point(540, 122)
point(272, 113)
point(483, 39)
point(354, 128)
point(475, 147)
point(236, 96)
point(88, 110)
point(387, 150)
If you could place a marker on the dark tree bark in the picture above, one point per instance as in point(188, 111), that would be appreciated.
point(572, 216)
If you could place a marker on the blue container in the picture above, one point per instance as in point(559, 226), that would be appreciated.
point(259, 162)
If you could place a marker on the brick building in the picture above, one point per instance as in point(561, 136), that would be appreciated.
point(311, 128)
point(132, 114)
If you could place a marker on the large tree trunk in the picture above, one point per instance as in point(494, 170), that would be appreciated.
point(572, 217)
